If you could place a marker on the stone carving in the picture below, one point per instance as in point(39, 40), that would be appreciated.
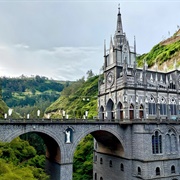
point(68, 136)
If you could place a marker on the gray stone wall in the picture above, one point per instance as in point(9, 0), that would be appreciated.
point(139, 143)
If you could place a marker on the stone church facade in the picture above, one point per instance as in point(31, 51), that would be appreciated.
point(146, 104)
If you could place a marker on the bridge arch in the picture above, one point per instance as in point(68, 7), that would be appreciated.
point(54, 149)
point(109, 141)
point(45, 135)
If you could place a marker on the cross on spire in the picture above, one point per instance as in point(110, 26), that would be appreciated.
point(119, 22)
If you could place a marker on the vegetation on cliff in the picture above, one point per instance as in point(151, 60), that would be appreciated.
point(19, 160)
point(77, 98)
point(166, 51)
point(28, 94)
point(83, 159)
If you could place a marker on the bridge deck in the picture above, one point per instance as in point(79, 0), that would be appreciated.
point(87, 121)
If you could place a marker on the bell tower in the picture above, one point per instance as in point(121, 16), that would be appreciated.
point(118, 56)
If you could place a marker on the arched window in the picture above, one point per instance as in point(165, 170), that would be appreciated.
point(122, 167)
point(101, 113)
point(156, 143)
point(163, 106)
point(173, 170)
point(168, 143)
point(101, 161)
point(158, 171)
point(101, 178)
point(141, 111)
point(131, 112)
point(95, 176)
point(120, 111)
point(95, 158)
point(139, 171)
point(110, 163)
point(110, 109)
point(152, 106)
point(171, 142)
point(173, 107)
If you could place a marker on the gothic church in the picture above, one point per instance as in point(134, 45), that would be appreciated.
point(146, 104)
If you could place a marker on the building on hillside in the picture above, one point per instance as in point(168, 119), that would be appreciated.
point(146, 105)
point(129, 92)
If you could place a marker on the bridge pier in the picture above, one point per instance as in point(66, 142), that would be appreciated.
point(59, 171)
point(66, 171)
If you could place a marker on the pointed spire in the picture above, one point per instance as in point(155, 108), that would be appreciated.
point(161, 79)
point(156, 78)
point(134, 44)
point(145, 65)
point(104, 47)
point(167, 80)
point(111, 43)
point(151, 78)
point(135, 65)
point(170, 79)
point(119, 28)
point(175, 64)
point(141, 76)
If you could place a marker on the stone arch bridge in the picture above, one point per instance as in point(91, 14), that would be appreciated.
point(118, 145)
point(62, 137)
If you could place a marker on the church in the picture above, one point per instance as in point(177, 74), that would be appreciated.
point(127, 92)
point(146, 105)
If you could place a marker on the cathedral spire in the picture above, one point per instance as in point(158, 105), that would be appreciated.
point(111, 43)
point(104, 47)
point(119, 28)
point(134, 44)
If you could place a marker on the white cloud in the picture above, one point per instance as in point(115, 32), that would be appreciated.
point(64, 39)
point(63, 63)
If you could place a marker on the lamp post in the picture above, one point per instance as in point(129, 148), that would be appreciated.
point(38, 113)
point(5, 116)
point(86, 114)
point(64, 114)
point(10, 113)
point(67, 116)
point(48, 116)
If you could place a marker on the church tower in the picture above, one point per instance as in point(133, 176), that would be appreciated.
point(117, 59)
point(145, 103)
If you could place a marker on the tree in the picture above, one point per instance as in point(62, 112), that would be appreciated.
point(90, 74)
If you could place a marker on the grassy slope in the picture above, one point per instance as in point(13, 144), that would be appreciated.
point(71, 99)
point(161, 53)
point(3, 108)
point(26, 94)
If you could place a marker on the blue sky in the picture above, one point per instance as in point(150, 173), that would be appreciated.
point(64, 39)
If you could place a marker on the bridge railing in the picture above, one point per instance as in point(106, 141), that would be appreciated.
point(121, 121)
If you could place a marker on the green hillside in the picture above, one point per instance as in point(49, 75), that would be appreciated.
point(28, 94)
point(77, 98)
point(166, 51)
point(19, 160)
point(3, 108)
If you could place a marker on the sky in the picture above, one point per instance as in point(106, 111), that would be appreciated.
point(62, 40)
